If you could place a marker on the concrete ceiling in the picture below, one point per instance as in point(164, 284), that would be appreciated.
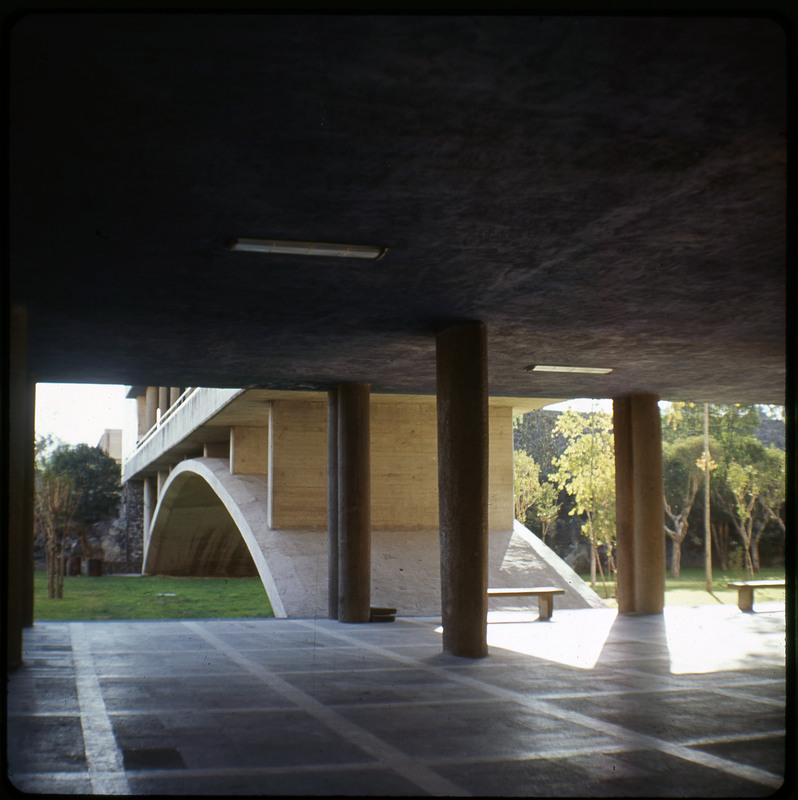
point(605, 192)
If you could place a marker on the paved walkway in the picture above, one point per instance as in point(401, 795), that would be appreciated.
point(688, 704)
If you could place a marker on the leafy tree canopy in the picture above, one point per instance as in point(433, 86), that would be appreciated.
point(94, 476)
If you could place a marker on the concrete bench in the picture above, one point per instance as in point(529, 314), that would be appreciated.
point(545, 595)
point(745, 591)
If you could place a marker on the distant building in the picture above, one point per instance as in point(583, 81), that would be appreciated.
point(111, 443)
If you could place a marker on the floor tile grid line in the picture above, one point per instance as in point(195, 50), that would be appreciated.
point(104, 760)
point(209, 772)
point(752, 698)
point(731, 738)
point(388, 755)
point(754, 774)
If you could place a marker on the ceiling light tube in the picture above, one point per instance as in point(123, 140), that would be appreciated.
point(585, 370)
point(307, 248)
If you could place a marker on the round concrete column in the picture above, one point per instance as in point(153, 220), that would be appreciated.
point(174, 394)
point(141, 409)
point(462, 403)
point(649, 516)
point(624, 504)
point(17, 457)
point(29, 503)
point(332, 503)
point(151, 407)
point(163, 399)
point(354, 503)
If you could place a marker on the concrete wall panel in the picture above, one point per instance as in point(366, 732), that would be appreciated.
point(298, 459)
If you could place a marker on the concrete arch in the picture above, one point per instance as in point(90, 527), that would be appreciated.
point(208, 522)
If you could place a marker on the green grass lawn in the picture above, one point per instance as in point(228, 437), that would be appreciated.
point(689, 589)
point(145, 597)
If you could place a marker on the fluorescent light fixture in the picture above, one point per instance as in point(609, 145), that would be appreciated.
point(585, 370)
point(308, 248)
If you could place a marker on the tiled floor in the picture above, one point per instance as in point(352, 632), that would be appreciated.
point(589, 704)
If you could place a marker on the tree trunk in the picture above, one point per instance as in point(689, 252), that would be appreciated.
point(593, 557)
point(59, 577)
point(676, 558)
point(720, 534)
point(749, 567)
point(50, 561)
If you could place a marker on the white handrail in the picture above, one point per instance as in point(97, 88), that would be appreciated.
point(162, 419)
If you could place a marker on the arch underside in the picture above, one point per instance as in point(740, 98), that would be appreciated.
point(194, 534)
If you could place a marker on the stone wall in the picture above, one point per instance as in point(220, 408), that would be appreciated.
point(121, 539)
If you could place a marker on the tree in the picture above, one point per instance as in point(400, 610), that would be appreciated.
point(55, 503)
point(757, 486)
point(546, 507)
point(95, 477)
point(772, 494)
point(683, 476)
point(586, 470)
point(526, 482)
point(531, 496)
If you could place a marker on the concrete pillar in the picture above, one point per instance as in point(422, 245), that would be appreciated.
point(249, 450)
point(332, 503)
point(15, 470)
point(141, 408)
point(163, 399)
point(174, 394)
point(624, 505)
point(649, 515)
point(354, 503)
point(149, 499)
point(462, 406)
point(151, 406)
point(639, 515)
point(30, 492)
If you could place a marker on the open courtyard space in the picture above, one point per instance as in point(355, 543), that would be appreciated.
point(690, 703)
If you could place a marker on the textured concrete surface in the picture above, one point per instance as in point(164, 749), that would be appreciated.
point(590, 704)
point(600, 191)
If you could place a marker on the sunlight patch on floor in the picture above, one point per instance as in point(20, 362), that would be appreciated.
point(573, 639)
point(715, 640)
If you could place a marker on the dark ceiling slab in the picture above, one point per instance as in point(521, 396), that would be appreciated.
point(599, 191)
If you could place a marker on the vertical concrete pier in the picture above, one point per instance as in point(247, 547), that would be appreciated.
point(354, 503)
point(332, 503)
point(462, 406)
point(624, 505)
point(151, 406)
point(640, 533)
point(649, 551)
point(16, 466)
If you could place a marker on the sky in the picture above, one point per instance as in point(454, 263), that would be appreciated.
point(78, 413)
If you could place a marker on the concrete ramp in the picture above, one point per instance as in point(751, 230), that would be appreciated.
point(209, 522)
point(519, 558)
